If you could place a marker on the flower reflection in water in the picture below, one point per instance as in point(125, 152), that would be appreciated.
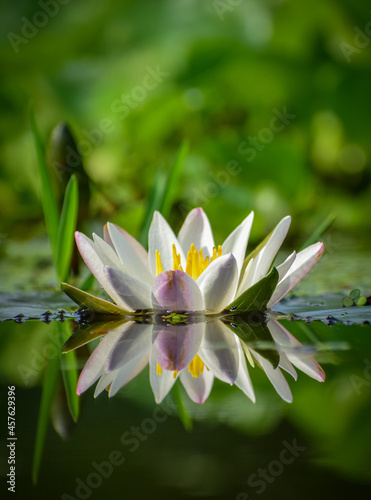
point(195, 351)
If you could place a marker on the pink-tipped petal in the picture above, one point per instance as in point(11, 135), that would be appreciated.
point(303, 263)
point(176, 291)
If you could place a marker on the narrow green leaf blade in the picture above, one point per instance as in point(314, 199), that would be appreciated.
point(68, 366)
point(319, 231)
point(163, 191)
point(67, 226)
point(256, 297)
point(48, 391)
point(173, 178)
point(49, 202)
point(95, 304)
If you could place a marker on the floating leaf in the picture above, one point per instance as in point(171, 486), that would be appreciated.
point(354, 294)
point(256, 297)
point(95, 304)
point(67, 226)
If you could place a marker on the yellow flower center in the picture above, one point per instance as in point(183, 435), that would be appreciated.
point(195, 265)
point(195, 367)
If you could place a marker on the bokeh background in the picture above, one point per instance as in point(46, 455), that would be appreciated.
point(224, 70)
point(274, 99)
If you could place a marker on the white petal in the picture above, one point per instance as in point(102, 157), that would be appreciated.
point(303, 263)
point(95, 365)
point(286, 365)
point(106, 253)
point(130, 259)
point(138, 248)
point(218, 283)
point(243, 380)
point(162, 238)
point(236, 242)
point(263, 261)
point(285, 266)
point(275, 376)
point(91, 257)
point(136, 294)
point(198, 388)
point(161, 384)
point(219, 351)
point(196, 229)
point(105, 380)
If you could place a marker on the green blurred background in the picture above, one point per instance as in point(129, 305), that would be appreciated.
point(223, 71)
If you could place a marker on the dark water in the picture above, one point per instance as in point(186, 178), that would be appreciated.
point(127, 446)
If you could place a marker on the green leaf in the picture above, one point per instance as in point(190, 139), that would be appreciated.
point(49, 386)
point(88, 282)
point(49, 202)
point(95, 304)
point(163, 191)
point(68, 366)
point(319, 231)
point(171, 185)
point(256, 334)
point(67, 226)
point(354, 294)
point(256, 297)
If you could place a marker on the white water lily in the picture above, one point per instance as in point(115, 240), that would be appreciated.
point(189, 272)
point(196, 353)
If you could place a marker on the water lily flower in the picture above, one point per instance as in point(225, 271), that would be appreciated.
point(196, 353)
point(189, 272)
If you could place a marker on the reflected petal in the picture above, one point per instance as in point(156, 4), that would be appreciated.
point(198, 388)
point(275, 376)
point(243, 380)
point(132, 343)
point(161, 384)
point(175, 346)
point(219, 351)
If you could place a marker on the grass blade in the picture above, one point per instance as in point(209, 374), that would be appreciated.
point(49, 202)
point(184, 415)
point(163, 191)
point(48, 391)
point(67, 226)
point(317, 233)
point(68, 366)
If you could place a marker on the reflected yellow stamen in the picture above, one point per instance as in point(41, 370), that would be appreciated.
point(175, 373)
point(158, 263)
point(196, 366)
point(196, 263)
point(158, 369)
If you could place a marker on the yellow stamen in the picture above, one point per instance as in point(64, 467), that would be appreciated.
point(175, 373)
point(196, 263)
point(158, 263)
point(158, 369)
